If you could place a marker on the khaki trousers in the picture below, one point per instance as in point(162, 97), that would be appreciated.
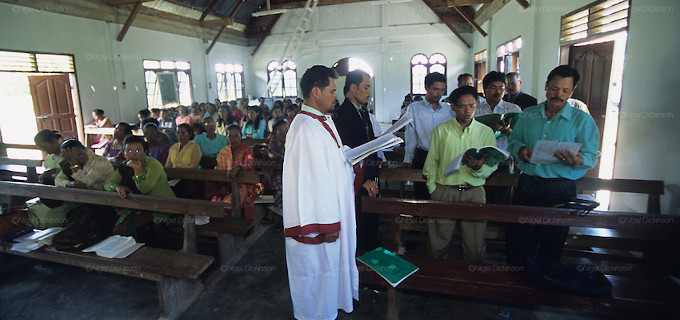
point(471, 232)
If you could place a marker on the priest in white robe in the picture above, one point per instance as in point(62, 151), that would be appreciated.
point(318, 206)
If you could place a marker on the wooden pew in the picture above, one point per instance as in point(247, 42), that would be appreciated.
point(231, 232)
point(19, 167)
point(632, 297)
point(176, 273)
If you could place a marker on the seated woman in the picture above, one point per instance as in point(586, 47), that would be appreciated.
point(210, 142)
point(100, 121)
point(185, 154)
point(196, 114)
point(157, 149)
point(224, 120)
point(183, 117)
point(235, 157)
point(48, 142)
point(140, 174)
point(82, 169)
point(112, 150)
point(275, 151)
point(254, 127)
point(168, 126)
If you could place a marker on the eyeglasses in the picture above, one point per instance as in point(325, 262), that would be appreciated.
point(138, 151)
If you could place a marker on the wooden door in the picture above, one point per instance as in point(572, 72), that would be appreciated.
point(594, 63)
point(53, 104)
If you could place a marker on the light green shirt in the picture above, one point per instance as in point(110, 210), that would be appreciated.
point(52, 161)
point(448, 141)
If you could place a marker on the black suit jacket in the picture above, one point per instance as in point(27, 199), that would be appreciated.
point(523, 100)
point(352, 133)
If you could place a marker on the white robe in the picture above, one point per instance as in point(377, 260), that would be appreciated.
point(318, 197)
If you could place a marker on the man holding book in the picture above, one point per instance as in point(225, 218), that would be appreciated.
point(426, 114)
point(355, 128)
point(449, 140)
point(494, 88)
point(546, 185)
point(318, 206)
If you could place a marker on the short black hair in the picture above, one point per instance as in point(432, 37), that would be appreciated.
point(278, 123)
point(46, 135)
point(188, 128)
point(145, 113)
point(465, 75)
point(291, 107)
point(127, 129)
point(513, 74)
point(234, 126)
point(316, 77)
point(433, 77)
point(98, 112)
point(71, 143)
point(206, 118)
point(354, 77)
point(459, 92)
point(150, 125)
point(565, 71)
point(492, 77)
point(150, 120)
point(136, 139)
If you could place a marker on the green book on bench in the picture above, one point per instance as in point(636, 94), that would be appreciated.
point(392, 268)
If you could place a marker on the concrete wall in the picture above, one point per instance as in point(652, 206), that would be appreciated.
point(384, 36)
point(103, 64)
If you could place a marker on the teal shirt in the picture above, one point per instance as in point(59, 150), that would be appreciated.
point(568, 125)
point(210, 148)
point(448, 141)
point(257, 133)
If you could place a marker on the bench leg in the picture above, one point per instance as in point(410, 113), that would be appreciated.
point(392, 304)
point(177, 295)
point(190, 245)
point(231, 248)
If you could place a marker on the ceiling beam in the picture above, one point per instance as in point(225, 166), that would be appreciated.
point(130, 18)
point(122, 2)
point(252, 5)
point(467, 2)
point(460, 37)
point(444, 19)
point(217, 22)
point(471, 20)
point(301, 4)
point(207, 11)
point(523, 3)
point(488, 10)
point(224, 27)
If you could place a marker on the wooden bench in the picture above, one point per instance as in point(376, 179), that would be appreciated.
point(176, 273)
point(25, 168)
point(632, 296)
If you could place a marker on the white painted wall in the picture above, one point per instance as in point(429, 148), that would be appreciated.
point(385, 36)
point(648, 108)
point(104, 64)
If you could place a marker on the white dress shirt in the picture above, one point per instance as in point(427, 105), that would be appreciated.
point(502, 107)
point(425, 118)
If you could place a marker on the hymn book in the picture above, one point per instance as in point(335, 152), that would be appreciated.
point(495, 156)
point(389, 266)
point(115, 247)
point(492, 119)
point(387, 140)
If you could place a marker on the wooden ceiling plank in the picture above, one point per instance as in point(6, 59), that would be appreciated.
point(207, 11)
point(217, 22)
point(443, 18)
point(471, 20)
point(467, 2)
point(523, 3)
point(488, 10)
point(122, 2)
point(301, 4)
point(131, 18)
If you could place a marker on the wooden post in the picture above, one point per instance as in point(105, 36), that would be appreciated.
point(190, 245)
point(392, 303)
point(236, 201)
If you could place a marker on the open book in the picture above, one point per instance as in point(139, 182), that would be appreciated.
point(386, 140)
point(544, 150)
point(389, 266)
point(35, 240)
point(492, 119)
point(495, 156)
point(115, 247)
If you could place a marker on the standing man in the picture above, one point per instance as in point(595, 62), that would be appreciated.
point(318, 206)
point(449, 140)
point(494, 89)
point(546, 185)
point(426, 114)
point(515, 94)
point(355, 128)
point(466, 79)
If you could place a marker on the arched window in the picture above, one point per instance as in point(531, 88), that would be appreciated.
point(229, 81)
point(421, 65)
point(286, 74)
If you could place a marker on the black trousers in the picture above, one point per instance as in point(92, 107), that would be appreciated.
point(367, 226)
point(526, 242)
point(420, 188)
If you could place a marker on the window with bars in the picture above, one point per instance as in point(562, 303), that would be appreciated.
point(421, 65)
point(596, 19)
point(36, 62)
point(229, 81)
point(168, 83)
point(287, 78)
point(507, 56)
point(480, 69)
